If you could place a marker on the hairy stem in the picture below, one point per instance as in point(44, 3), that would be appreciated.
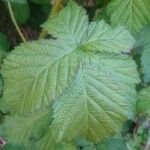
point(55, 9)
point(15, 23)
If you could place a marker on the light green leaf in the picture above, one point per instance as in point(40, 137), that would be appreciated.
point(53, 63)
point(95, 105)
point(21, 130)
point(101, 37)
point(122, 68)
point(133, 14)
point(143, 104)
point(36, 73)
point(83, 70)
point(70, 24)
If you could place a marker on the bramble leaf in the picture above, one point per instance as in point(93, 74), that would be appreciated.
point(133, 14)
point(101, 37)
point(44, 68)
point(20, 130)
point(68, 24)
point(83, 74)
point(96, 103)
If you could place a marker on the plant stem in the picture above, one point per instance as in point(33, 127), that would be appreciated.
point(15, 23)
point(55, 9)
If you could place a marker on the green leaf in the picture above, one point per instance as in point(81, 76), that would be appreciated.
point(143, 41)
point(112, 144)
point(16, 147)
point(73, 26)
point(21, 12)
point(82, 143)
point(133, 14)
point(101, 14)
point(83, 74)
point(146, 63)
point(143, 104)
point(101, 2)
point(16, 1)
point(68, 24)
point(41, 1)
point(47, 143)
point(1, 86)
point(96, 103)
point(44, 68)
point(21, 130)
point(142, 38)
point(4, 46)
point(101, 37)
